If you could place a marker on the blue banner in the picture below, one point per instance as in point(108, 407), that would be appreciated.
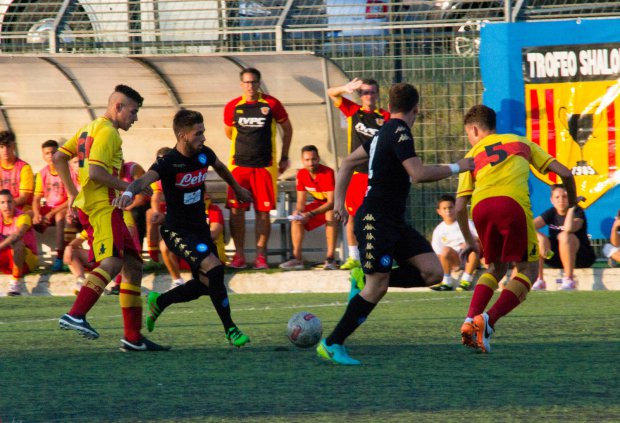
point(558, 83)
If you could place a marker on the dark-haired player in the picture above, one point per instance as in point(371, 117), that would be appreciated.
point(98, 147)
point(502, 214)
point(363, 122)
point(185, 231)
point(381, 231)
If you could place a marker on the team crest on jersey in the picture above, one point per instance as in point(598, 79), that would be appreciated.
point(380, 121)
point(386, 261)
point(202, 158)
point(264, 110)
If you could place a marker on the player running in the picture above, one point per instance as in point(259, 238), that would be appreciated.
point(502, 215)
point(185, 231)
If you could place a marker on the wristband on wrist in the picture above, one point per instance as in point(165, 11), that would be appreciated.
point(454, 168)
point(128, 194)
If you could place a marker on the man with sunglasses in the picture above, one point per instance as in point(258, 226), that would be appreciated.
point(363, 122)
point(250, 123)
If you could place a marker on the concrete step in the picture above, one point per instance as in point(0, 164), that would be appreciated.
point(256, 282)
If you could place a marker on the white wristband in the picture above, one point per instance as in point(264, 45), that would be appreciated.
point(454, 168)
point(128, 194)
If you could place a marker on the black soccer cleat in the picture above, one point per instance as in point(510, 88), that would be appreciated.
point(80, 325)
point(142, 345)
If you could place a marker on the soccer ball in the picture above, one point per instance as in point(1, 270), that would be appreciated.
point(304, 329)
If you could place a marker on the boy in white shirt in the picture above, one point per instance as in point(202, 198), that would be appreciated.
point(448, 242)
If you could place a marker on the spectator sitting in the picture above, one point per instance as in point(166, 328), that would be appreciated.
point(18, 246)
point(15, 174)
point(317, 180)
point(448, 242)
point(76, 257)
point(49, 206)
point(612, 250)
point(567, 246)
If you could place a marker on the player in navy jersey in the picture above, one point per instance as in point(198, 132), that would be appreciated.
point(383, 235)
point(183, 172)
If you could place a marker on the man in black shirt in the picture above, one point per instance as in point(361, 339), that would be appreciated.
point(185, 231)
point(381, 231)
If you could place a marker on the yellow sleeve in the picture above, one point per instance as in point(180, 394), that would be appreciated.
point(23, 220)
point(38, 185)
point(70, 147)
point(466, 181)
point(540, 159)
point(26, 180)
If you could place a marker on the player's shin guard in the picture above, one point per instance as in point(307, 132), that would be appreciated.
point(513, 295)
point(93, 287)
point(131, 304)
point(483, 292)
point(189, 291)
point(406, 276)
point(356, 313)
point(219, 296)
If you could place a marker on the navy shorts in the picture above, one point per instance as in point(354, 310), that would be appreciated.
point(193, 246)
point(384, 238)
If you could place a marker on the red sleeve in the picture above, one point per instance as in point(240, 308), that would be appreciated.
point(279, 112)
point(215, 214)
point(347, 107)
point(229, 112)
point(301, 186)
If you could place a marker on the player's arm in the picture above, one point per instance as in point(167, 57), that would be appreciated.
point(26, 187)
point(358, 157)
point(539, 223)
point(36, 201)
point(568, 180)
point(141, 184)
point(61, 163)
point(24, 223)
point(471, 245)
point(336, 93)
point(420, 172)
point(241, 193)
point(300, 204)
point(287, 136)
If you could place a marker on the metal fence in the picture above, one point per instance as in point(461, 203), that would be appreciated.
point(432, 44)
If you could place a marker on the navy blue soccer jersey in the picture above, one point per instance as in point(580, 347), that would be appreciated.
point(388, 181)
point(183, 183)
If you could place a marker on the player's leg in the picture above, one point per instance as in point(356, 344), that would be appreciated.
point(263, 182)
point(568, 245)
point(297, 239)
point(59, 222)
point(17, 258)
point(449, 259)
point(544, 248)
point(471, 264)
point(331, 235)
point(152, 235)
point(172, 264)
point(131, 305)
point(99, 228)
point(353, 200)
point(237, 216)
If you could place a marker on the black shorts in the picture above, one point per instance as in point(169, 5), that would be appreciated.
point(585, 256)
point(193, 246)
point(383, 238)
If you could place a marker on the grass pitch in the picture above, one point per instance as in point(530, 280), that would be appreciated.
point(555, 358)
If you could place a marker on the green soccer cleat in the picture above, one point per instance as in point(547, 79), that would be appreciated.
point(356, 277)
point(236, 337)
point(464, 286)
point(441, 287)
point(350, 264)
point(152, 310)
point(336, 353)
